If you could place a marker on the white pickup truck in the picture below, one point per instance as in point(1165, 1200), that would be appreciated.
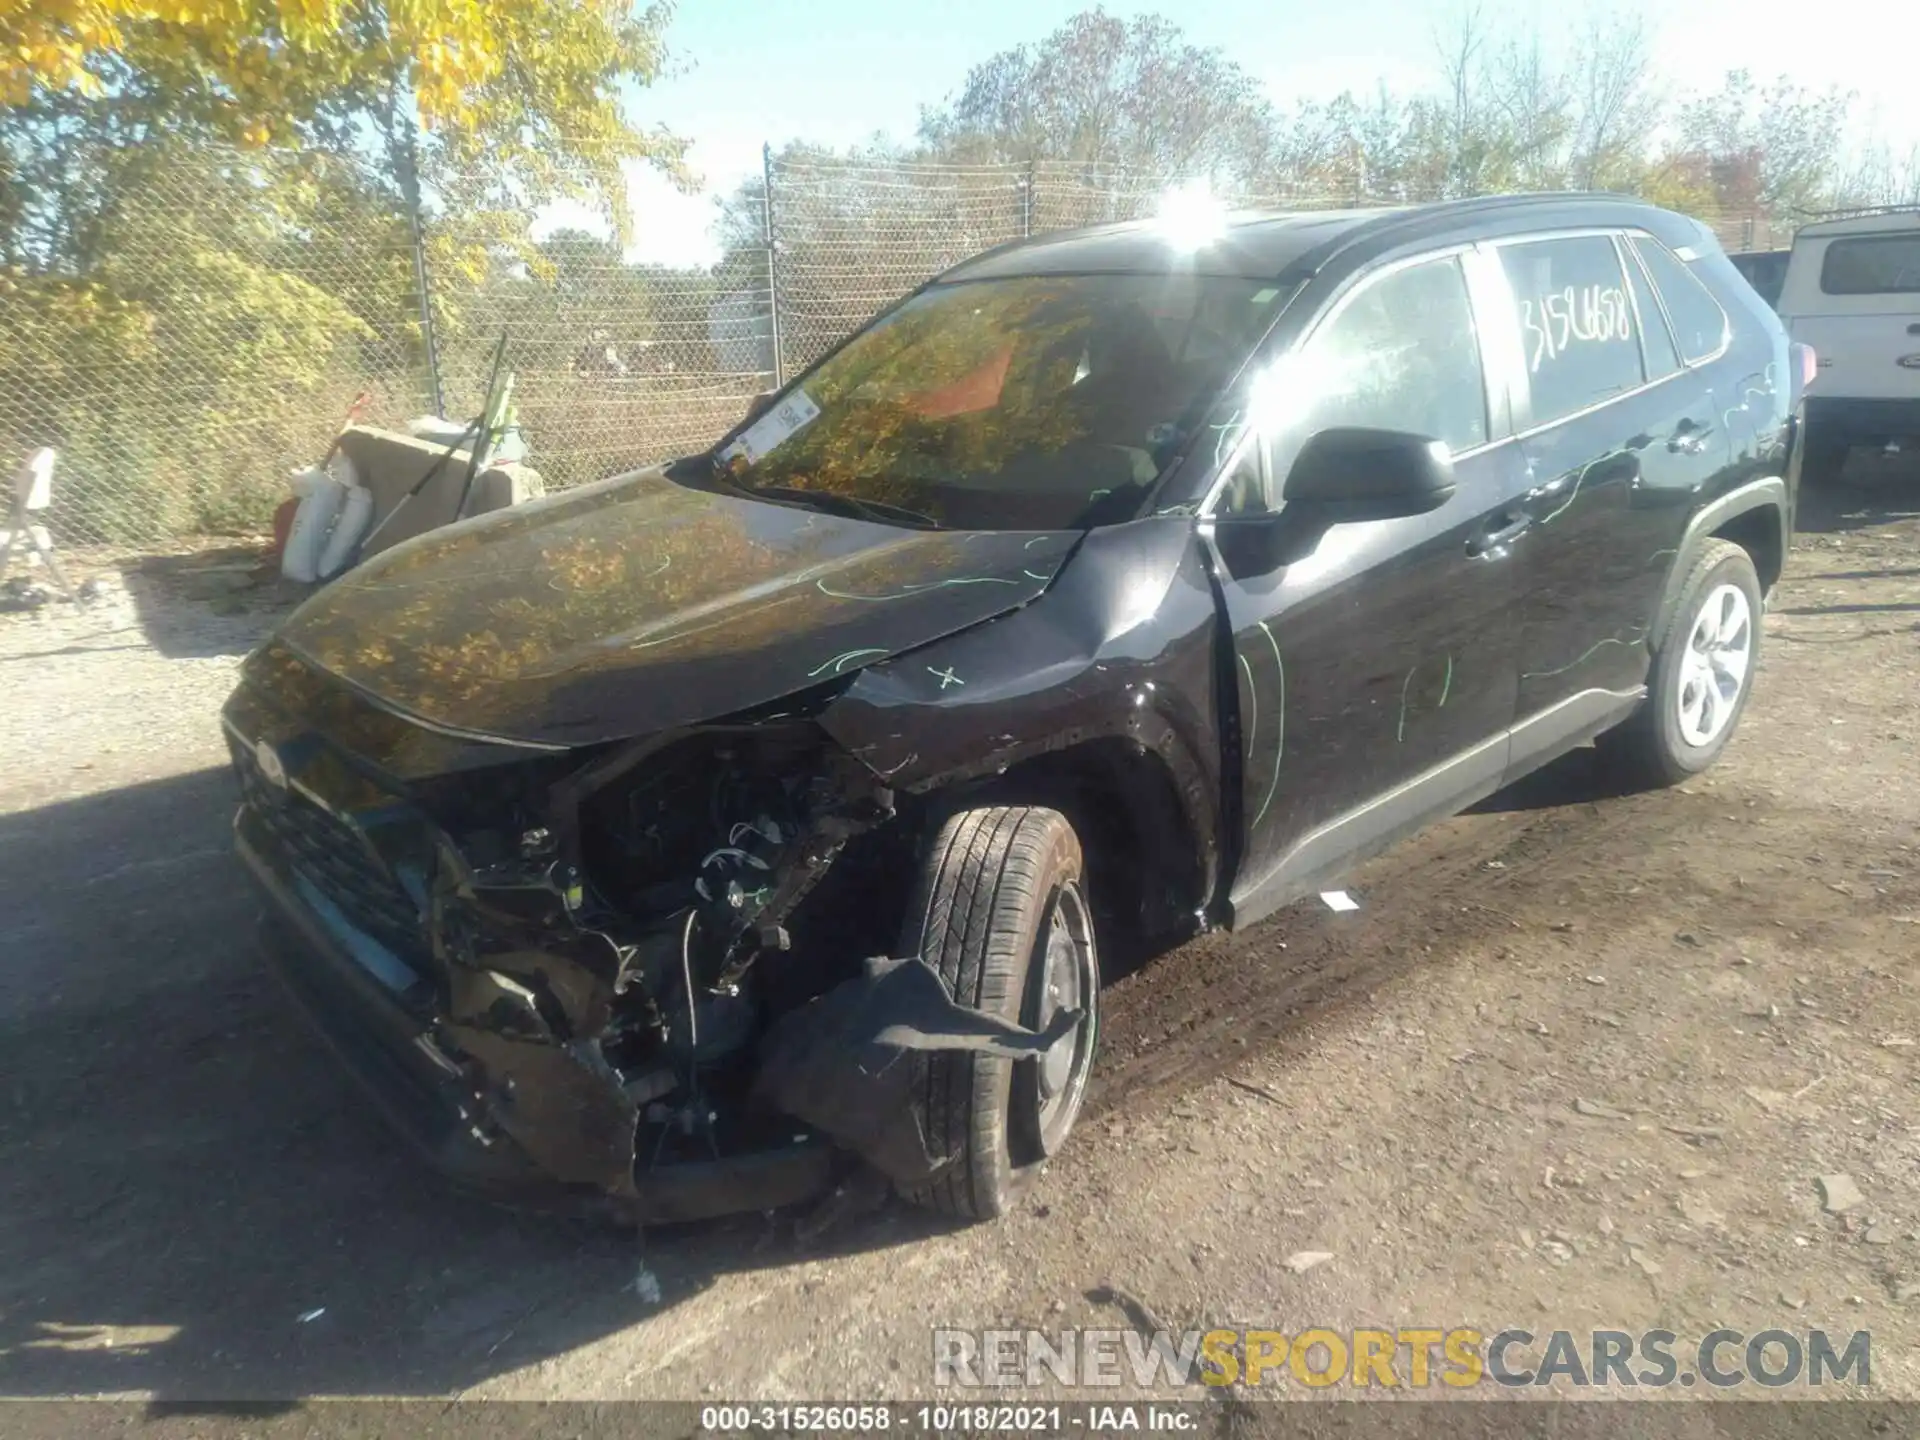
point(1852, 292)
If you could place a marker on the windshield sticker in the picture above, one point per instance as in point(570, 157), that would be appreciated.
point(1264, 297)
point(766, 434)
point(1557, 322)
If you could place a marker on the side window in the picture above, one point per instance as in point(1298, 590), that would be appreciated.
point(1576, 323)
point(1656, 340)
point(1699, 324)
point(1400, 355)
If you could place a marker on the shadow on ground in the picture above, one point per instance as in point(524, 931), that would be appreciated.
point(188, 1178)
point(185, 1175)
point(1871, 489)
point(199, 1207)
point(1580, 777)
point(211, 602)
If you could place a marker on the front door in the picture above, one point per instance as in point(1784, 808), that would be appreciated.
point(1374, 673)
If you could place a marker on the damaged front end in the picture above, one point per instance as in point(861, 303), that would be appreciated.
point(639, 973)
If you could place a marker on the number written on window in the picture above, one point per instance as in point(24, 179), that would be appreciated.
point(1576, 320)
point(1589, 315)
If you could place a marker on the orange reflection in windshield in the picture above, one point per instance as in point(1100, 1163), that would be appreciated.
point(978, 390)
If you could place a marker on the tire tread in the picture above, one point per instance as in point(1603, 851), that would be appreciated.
point(968, 919)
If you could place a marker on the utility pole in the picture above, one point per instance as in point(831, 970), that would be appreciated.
point(773, 274)
point(409, 158)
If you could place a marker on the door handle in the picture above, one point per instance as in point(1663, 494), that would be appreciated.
point(1689, 439)
point(1491, 542)
point(1552, 489)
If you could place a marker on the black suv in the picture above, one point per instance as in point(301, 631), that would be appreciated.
point(697, 839)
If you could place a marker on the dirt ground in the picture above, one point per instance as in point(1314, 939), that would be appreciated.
point(1576, 1061)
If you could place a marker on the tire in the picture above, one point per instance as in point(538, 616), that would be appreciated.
point(998, 887)
point(1689, 717)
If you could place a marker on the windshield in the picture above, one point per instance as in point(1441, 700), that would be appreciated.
point(1039, 403)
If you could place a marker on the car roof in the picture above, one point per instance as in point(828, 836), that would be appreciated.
point(1259, 245)
point(1872, 222)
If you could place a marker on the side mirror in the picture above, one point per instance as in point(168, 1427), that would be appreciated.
point(1345, 475)
point(758, 406)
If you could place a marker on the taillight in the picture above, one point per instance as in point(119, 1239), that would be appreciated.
point(1802, 366)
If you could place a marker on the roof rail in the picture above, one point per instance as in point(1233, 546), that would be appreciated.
point(1415, 216)
point(1471, 204)
point(1817, 223)
point(1854, 212)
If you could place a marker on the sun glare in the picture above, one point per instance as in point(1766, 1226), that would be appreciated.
point(1191, 216)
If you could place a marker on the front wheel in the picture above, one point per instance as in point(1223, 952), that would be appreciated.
point(1702, 674)
point(1001, 913)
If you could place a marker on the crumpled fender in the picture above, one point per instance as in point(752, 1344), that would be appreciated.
point(1122, 646)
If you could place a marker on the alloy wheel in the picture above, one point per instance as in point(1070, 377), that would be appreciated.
point(1714, 669)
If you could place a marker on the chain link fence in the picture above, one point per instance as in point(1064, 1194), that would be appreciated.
point(247, 303)
point(225, 318)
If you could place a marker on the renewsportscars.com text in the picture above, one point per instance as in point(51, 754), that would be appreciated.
point(1409, 1358)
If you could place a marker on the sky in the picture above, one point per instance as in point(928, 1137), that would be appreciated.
point(838, 72)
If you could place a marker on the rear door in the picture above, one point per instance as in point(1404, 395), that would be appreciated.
point(1374, 672)
point(1856, 300)
point(1619, 438)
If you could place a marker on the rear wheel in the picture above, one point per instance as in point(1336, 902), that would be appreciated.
point(1001, 913)
point(1702, 673)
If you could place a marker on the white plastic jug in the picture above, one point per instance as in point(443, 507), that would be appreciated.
point(356, 512)
point(321, 499)
point(350, 524)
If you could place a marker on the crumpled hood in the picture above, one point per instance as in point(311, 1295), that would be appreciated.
point(639, 604)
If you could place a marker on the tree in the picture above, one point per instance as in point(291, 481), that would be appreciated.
point(1506, 119)
point(1472, 143)
point(519, 101)
point(1110, 96)
point(530, 87)
point(193, 346)
point(237, 183)
point(1775, 149)
point(1614, 108)
point(1878, 175)
point(1535, 109)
